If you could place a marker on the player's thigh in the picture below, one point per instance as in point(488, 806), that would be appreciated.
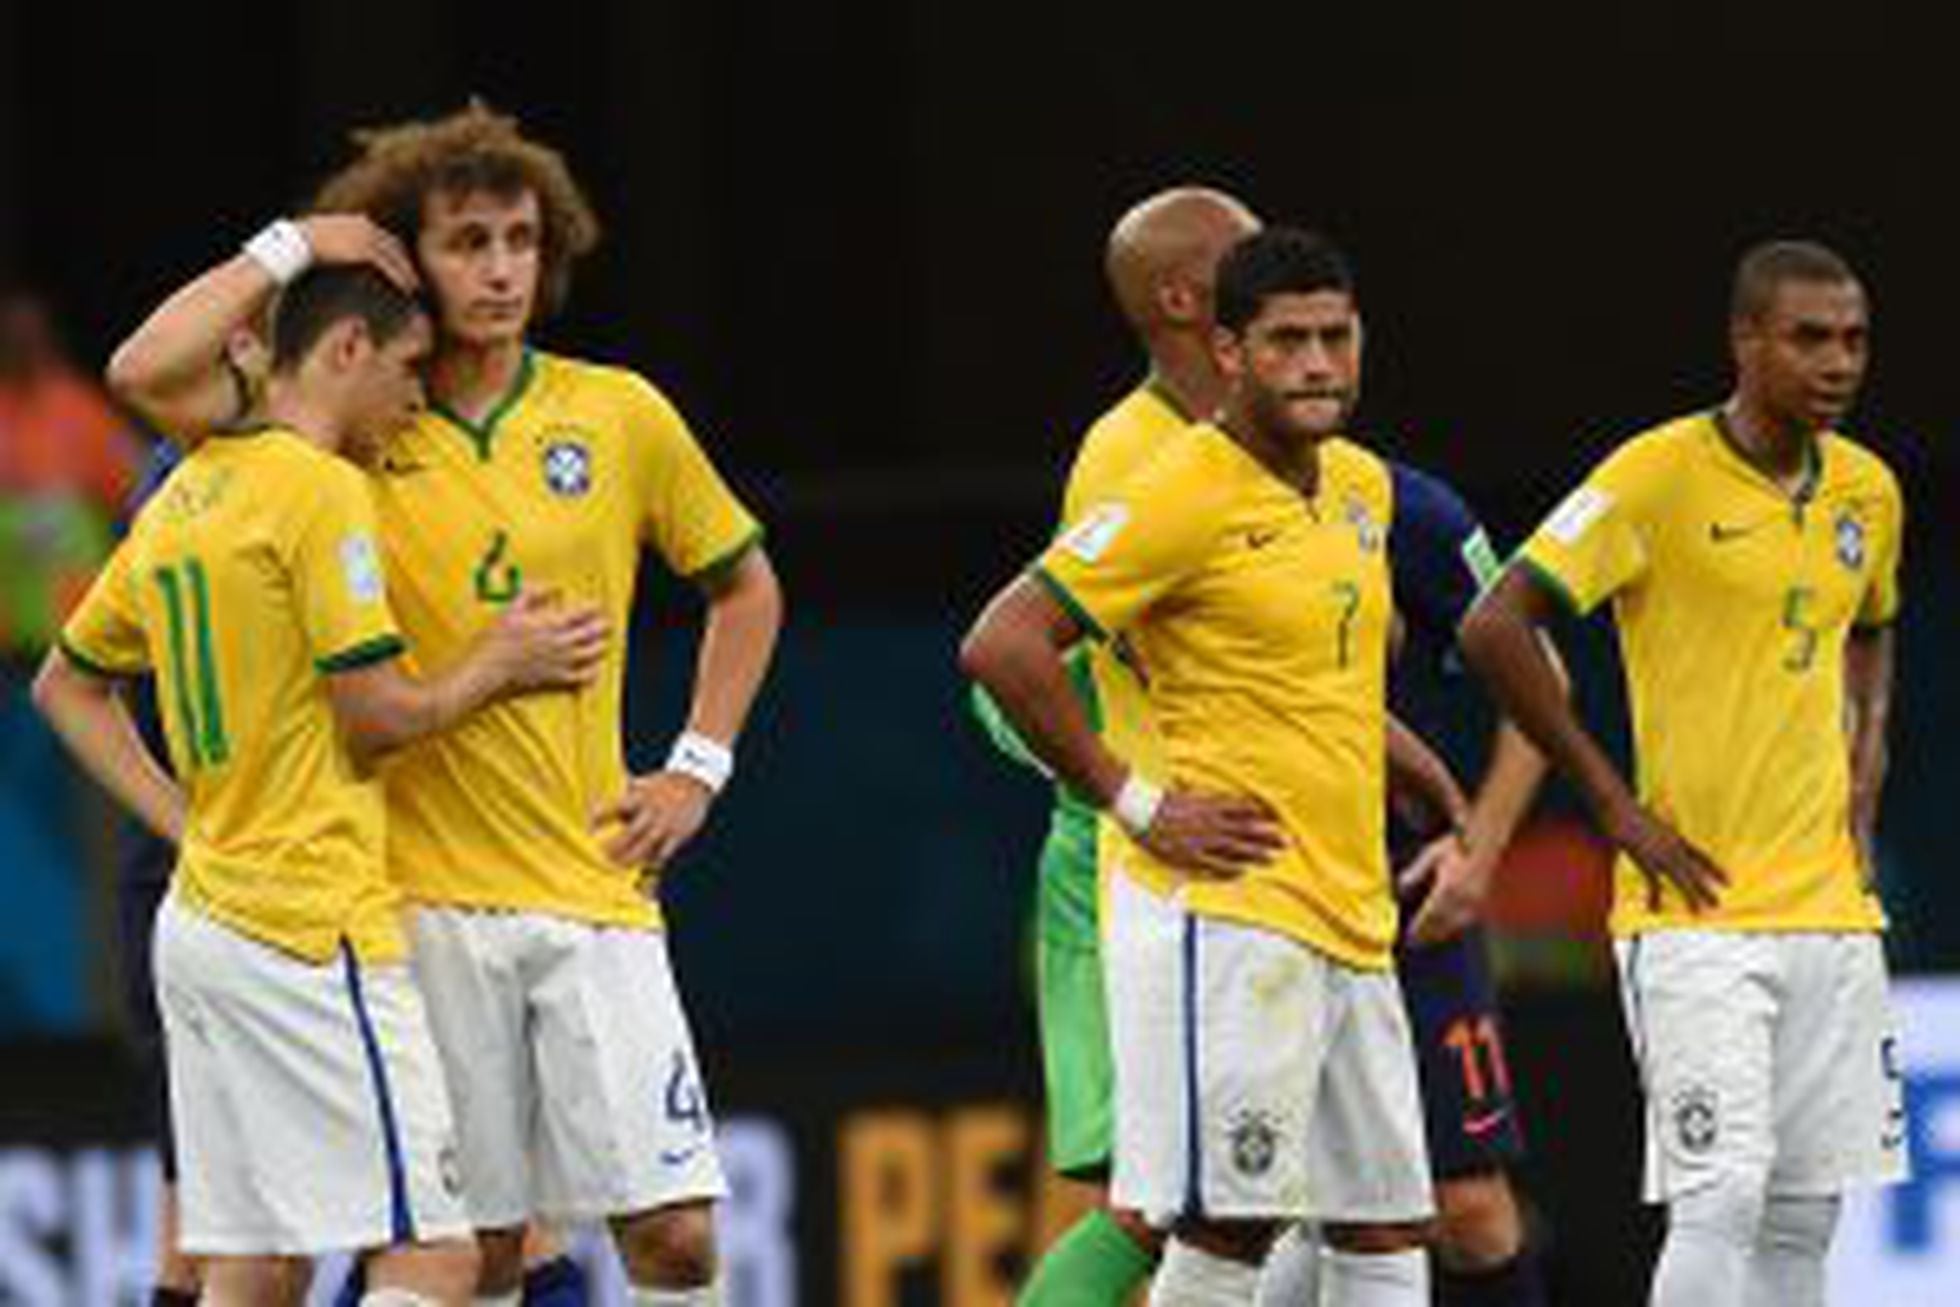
point(1075, 1056)
point(1469, 1111)
point(214, 1176)
point(1368, 1160)
point(1146, 989)
point(1219, 1031)
point(334, 1120)
point(1701, 1012)
point(467, 966)
point(624, 1121)
point(1840, 1111)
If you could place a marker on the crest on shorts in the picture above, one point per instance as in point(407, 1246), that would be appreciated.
point(568, 467)
point(1697, 1119)
point(1367, 531)
point(1850, 535)
point(1255, 1142)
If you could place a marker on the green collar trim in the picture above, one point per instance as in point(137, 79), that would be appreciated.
point(1158, 389)
point(1813, 470)
point(482, 433)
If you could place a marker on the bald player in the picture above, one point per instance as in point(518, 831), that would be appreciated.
point(1160, 261)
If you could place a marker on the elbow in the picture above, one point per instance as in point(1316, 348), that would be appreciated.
point(47, 688)
point(980, 654)
point(1477, 633)
point(131, 376)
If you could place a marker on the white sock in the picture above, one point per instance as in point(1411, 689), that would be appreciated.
point(1291, 1274)
point(1711, 1234)
point(701, 1295)
point(1398, 1279)
point(1786, 1269)
point(511, 1299)
point(1192, 1277)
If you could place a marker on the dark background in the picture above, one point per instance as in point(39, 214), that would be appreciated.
point(860, 244)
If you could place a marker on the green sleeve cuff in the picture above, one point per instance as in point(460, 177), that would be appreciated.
point(1069, 603)
point(1549, 581)
point(365, 654)
point(723, 563)
point(90, 665)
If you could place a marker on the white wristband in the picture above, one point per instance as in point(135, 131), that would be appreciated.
point(709, 761)
point(281, 249)
point(1136, 805)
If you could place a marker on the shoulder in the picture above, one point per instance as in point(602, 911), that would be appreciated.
point(1359, 472)
point(583, 383)
point(1863, 470)
point(1119, 442)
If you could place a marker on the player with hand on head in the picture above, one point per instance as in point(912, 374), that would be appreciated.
point(1751, 555)
point(306, 1093)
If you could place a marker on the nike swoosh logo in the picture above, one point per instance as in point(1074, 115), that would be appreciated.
point(678, 1156)
point(1478, 1126)
point(1260, 539)
point(1722, 534)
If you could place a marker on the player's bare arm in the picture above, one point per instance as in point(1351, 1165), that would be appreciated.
point(1460, 866)
point(1500, 640)
point(89, 714)
point(1421, 781)
point(173, 368)
point(1015, 650)
point(1868, 660)
point(535, 644)
point(661, 811)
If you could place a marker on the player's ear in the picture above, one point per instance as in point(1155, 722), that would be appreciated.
point(1228, 351)
point(1178, 300)
point(349, 342)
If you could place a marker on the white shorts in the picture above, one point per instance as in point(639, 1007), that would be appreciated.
point(574, 1080)
point(1771, 1055)
point(1255, 1078)
point(307, 1098)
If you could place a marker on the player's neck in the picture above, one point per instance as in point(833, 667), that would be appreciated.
point(1188, 378)
point(470, 380)
point(1293, 460)
point(1781, 450)
point(313, 422)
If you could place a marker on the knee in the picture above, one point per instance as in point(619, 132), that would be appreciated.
point(1377, 1236)
point(1799, 1227)
point(1138, 1230)
point(1728, 1208)
point(669, 1247)
point(1477, 1224)
point(499, 1259)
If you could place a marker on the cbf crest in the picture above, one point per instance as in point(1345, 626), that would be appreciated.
point(567, 466)
point(1850, 535)
point(1367, 531)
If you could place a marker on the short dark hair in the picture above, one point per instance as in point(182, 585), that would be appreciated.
point(1765, 267)
point(322, 296)
point(1276, 261)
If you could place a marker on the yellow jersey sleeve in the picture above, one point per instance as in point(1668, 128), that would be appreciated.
point(1881, 602)
point(339, 585)
point(1128, 551)
point(104, 635)
point(687, 512)
point(1599, 540)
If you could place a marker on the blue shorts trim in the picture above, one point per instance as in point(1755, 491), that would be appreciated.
point(401, 1220)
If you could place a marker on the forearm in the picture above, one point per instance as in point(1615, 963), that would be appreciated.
point(383, 709)
point(1501, 642)
point(1416, 769)
point(1868, 705)
point(1510, 784)
point(738, 643)
point(1015, 652)
point(173, 366)
point(91, 720)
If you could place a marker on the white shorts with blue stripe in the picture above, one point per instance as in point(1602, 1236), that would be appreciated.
point(307, 1098)
point(1256, 1079)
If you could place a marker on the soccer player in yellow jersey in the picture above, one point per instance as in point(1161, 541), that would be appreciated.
point(306, 1090)
point(523, 842)
point(1751, 556)
point(1263, 1065)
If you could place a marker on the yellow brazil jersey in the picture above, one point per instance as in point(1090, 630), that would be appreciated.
point(1733, 600)
point(557, 490)
point(1261, 619)
point(250, 575)
point(1117, 445)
